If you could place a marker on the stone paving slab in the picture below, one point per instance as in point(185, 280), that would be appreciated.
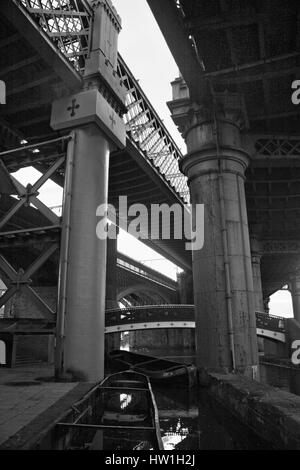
point(23, 397)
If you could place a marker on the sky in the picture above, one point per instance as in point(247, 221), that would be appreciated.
point(145, 51)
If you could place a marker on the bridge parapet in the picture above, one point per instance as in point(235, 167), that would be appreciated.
point(181, 316)
point(270, 322)
point(150, 313)
point(67, 24)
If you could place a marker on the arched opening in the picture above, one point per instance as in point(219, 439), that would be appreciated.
point(140, 294)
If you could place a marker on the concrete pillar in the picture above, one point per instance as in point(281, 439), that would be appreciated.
point(223, 285)
point(267, 304)
point(256, 270)
point(185, 287)
point(95, 116)
point(111, 274)
point(112, 340)
point(257, 285)
point(84, 321)
point(295, 292)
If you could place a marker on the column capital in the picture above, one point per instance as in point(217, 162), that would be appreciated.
point(110, 10)
point(89, 107)
point(100, 70)
point(211, 130)
point(223, 106)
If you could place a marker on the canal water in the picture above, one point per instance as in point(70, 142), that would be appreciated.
point(191, 420)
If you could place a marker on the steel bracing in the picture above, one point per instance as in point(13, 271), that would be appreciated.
point(26, 221)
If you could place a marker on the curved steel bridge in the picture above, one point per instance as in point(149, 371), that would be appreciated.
point(180, 316)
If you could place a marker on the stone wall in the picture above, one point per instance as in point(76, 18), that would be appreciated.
point(272, 414)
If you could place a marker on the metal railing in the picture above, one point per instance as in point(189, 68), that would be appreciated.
point(270, 322)
point(175, 313)
point(68, 25)
point(149, 313)
point(146, 129)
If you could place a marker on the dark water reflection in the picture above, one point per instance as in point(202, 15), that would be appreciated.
point(190, 420)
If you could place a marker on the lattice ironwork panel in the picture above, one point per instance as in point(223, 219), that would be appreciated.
point(278, 147)
point(67, 23)
point(146, 130)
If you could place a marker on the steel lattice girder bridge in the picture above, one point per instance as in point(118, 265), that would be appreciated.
point(50, 42)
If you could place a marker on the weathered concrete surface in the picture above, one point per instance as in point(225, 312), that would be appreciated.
point(30, 403)
point(168, 339)
point(272, 414)
point(222, 272)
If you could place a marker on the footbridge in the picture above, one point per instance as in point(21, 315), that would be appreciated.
point(181, 316)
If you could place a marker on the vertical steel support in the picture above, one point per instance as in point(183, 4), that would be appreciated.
point(64, 258)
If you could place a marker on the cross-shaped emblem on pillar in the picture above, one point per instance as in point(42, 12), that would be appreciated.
point(113, 121)
point(73, 107)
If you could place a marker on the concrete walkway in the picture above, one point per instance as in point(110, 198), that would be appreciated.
point(25, 394)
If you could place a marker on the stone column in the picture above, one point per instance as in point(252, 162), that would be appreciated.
point(257, 285)
point(267, 305)
point(223, 285)
point(258, 295)
point(111, 276)
point(95, 117)
point(185, 287)
point(112, 340)
point(295, 292)
point(256, 270)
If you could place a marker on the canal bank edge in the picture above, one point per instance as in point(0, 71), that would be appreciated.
point(272, 414)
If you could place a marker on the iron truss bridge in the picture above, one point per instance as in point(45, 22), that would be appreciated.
point(180, 316)
point(68, 25)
